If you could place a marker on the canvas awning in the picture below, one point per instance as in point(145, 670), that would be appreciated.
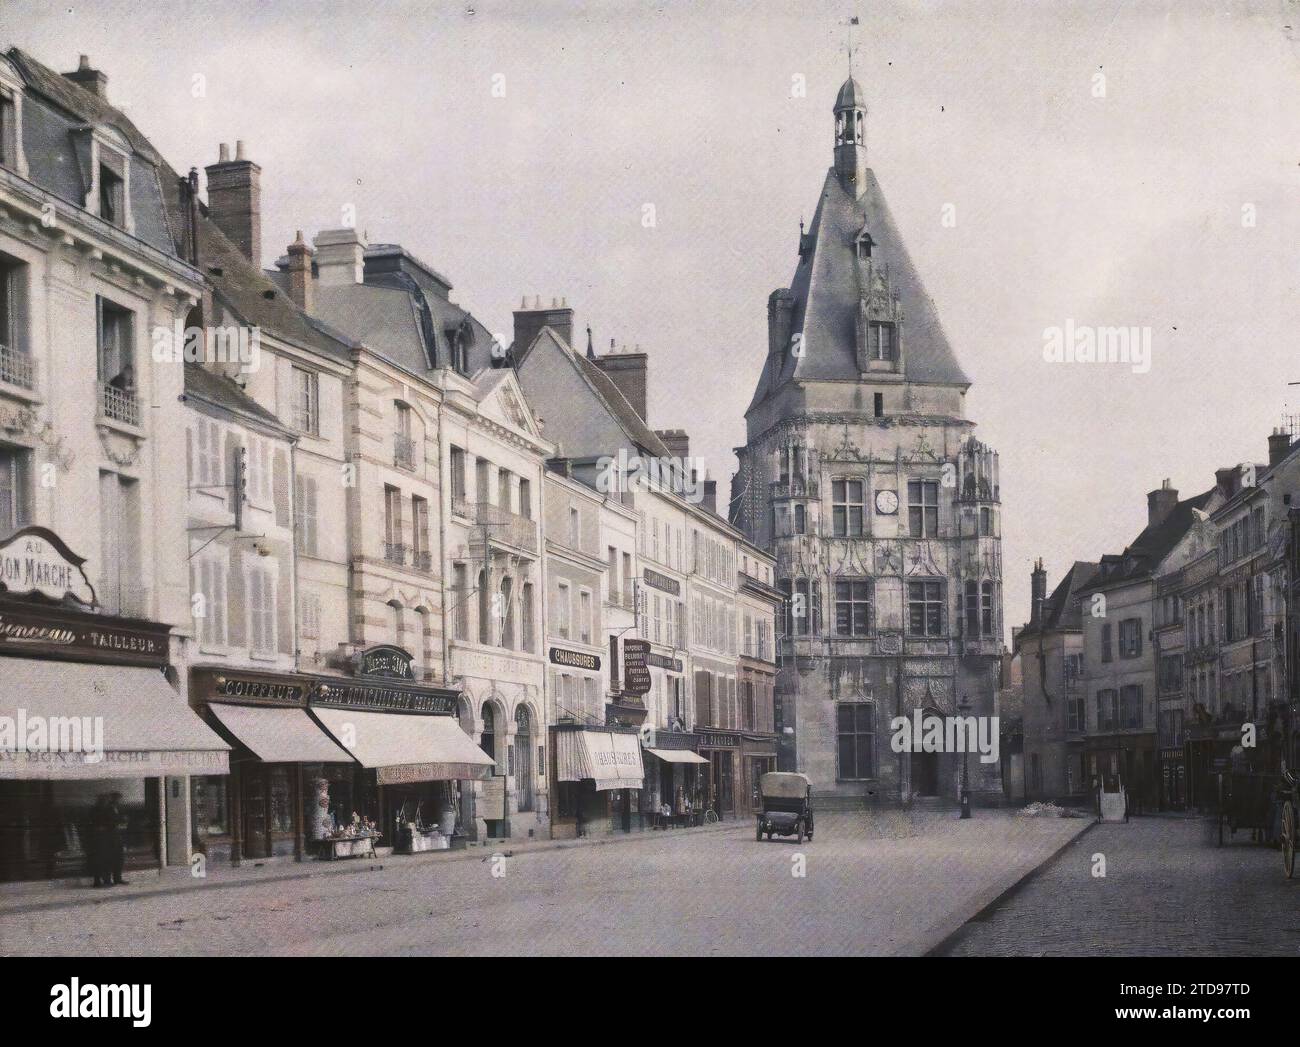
point(610, 759)
point(61, 720)
point(277, 735)
point(406, 747)
point(677, 755)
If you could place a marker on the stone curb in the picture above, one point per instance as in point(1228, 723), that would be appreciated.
point(74, 897)
point(932, 940)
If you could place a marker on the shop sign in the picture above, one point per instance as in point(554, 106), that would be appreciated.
point(662, 661)
point(716, 740)
point(662, 582)
point(27, 629)
point(35, 560)
point(387, 661)
point(636, 673)
point(279, 692)
point(346, 695)
point(574, 659)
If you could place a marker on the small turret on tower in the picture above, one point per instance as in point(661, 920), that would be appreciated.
point(851, 137)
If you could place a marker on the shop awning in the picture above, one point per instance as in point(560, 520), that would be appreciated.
point(279, 735)
point(677, 755)
point(407, 748)
point(62, 720)
point(611, 760)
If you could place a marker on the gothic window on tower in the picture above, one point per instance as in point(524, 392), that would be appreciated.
point(854, 607)
point(986, 522)
point(846, 508)
point(923, 508)
point(800, 520)
point(882, 341)
point(925, 608)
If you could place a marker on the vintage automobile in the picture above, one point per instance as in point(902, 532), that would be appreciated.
point(785, 806)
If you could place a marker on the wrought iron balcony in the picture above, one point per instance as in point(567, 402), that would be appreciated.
point(395, 552)
point(423, 560)
point(17, 368)
point(501, 525)
point(119, 405)
point(403, 452)
point(796, 488)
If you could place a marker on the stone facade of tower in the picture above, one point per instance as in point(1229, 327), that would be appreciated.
point(862, 476)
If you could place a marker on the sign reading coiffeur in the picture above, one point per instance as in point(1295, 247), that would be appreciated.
point(35, 560)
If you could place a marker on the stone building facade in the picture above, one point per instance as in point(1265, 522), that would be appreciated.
point(861, 475)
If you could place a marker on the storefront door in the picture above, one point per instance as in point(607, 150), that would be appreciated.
point(255, 834)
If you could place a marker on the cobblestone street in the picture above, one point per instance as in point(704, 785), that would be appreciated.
point(1168, 891)
point(880, 884)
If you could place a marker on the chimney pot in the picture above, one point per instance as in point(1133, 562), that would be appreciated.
point(239, 149)
point(223, 153)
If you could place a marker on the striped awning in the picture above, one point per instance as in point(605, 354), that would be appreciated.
point(610, 759)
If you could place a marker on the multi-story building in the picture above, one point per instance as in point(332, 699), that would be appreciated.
point(1120, 655)
point(1053, 713)
point(447, 467)
point(861, 475)
point(687, 591)
point(95, 263)
point(757, 603)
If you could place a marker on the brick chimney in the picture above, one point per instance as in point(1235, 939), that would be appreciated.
point(340, 257)
point(530, 319)
point(710, 500)
point(1279, 446)
point(299, 270)
point(91, 79)
point(235, 200)
point(1160, 503)
point(677, 441)
point(629, 372)
point(1037, 592)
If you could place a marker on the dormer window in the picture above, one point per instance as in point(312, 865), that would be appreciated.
point(882, 345)
point(111, 201)
point(8, 129)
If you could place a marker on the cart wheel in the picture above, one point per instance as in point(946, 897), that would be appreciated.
point(1288, 838)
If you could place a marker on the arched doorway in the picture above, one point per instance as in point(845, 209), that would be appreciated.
point(488, 742)
point(524, 758)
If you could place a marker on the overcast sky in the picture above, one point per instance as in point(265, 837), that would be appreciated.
point(1121, 206)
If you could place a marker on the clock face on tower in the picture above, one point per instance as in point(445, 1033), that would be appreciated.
point(886, 502)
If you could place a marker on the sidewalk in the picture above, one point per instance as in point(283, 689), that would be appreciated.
point(19, 898)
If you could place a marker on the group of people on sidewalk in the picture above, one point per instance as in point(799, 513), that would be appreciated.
point(106, 848)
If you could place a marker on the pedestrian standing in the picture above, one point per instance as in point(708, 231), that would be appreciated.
point(96, 842)
point(114, 842)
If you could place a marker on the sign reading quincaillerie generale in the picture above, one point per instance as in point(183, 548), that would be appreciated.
point(575, 659)
point(35, 560)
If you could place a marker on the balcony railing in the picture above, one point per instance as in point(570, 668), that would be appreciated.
point(501, 525)
point(395, 552)
point(17, 368)
point(403, 452)
point(423, 560)
point(120, 405)
point(796, 488)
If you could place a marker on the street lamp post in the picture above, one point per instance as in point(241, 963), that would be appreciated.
point(964, 708)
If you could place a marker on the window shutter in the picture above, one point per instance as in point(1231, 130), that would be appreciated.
point(239, 600)
point(279, 484)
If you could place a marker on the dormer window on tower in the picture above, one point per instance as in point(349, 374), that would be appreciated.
point(882, 341)
point(863, 246)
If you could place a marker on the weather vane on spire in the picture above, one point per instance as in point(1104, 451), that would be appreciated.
point(849, 45)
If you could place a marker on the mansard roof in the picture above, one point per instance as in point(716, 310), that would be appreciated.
point(825, 297)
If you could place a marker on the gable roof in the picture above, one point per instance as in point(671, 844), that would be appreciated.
point(825, 297)
point(1141, 558)
point(614, 402)
point(1062, 610)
